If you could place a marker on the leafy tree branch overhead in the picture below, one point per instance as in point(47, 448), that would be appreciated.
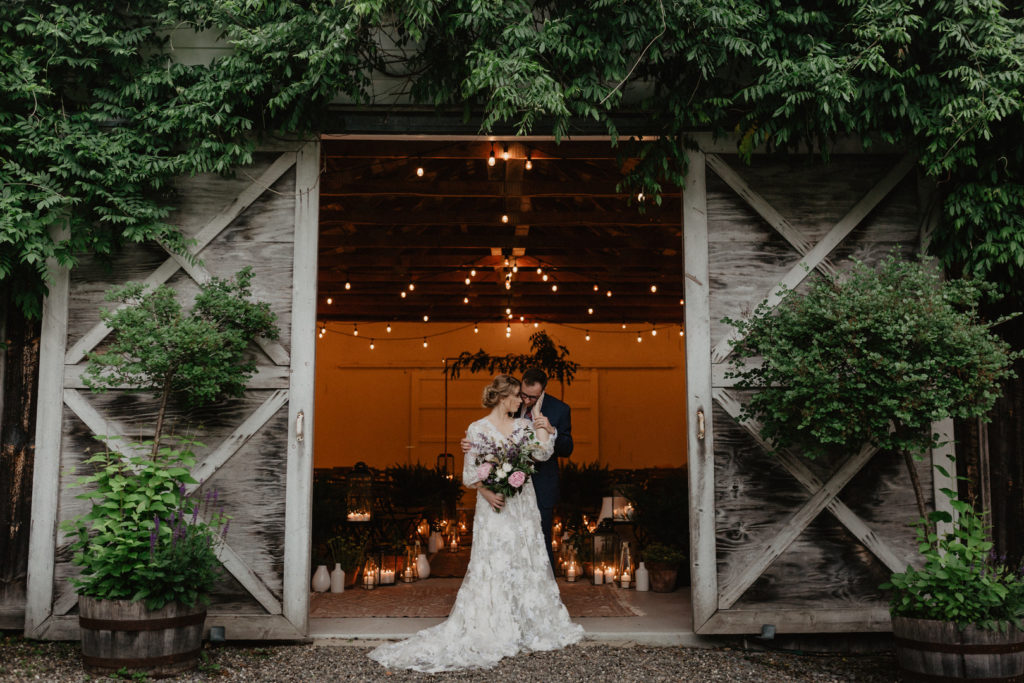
point(96, 119)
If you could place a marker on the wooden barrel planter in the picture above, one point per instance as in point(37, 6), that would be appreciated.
point(663, 576)
point(120, 634)
point(930, 650)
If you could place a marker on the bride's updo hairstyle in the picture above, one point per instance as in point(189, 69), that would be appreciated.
point(500, 387)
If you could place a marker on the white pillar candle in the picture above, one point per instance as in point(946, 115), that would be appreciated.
point(625, 579)
point(598, 576)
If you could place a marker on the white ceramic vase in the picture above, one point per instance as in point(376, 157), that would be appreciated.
point(435, 542)
point(422, 566)
point(643, 578)
point(337, 579)
point(321, 579)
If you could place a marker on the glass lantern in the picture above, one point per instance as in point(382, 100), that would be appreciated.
point(573, 570)
point(359, 503)
point(452, 545)
point(409, 571)
point(605, 544)
point(388, 561)
point(370, 575)
point(626, 571)
point(446, 465)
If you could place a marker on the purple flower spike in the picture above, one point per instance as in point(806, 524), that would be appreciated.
point(152, 542)
point(156, 524)
point(181, 489)
point(195, 513)
point(224, 530)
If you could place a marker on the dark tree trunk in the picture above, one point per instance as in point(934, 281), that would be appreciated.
point(17, 446)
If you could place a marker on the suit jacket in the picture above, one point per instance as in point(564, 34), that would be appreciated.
point(545, 479)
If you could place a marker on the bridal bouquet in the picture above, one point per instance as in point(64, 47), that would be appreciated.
point(505, 466)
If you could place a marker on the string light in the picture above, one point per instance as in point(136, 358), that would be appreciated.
point(623, 325)
point(639, 338)
point(590, 311)
point(522, 318)
point(504, 152)
point(588, 335)
point(509, 316)
point(472, 272)
point(680, 330)
point(608, 294)
point(682, 302)
point(529, 162)
point(424, 342)
point(371, 345)
point(426, 318)
point(515, 266)
point(476, 328)
point(348, 285)
point(465, 299)
point(508, 310)
point(504, 219)
point(654, 331)
point(508, 285)
point(490, 159)
point(508, 331)
point(596, 288)
point(539, 270)
point(536, 325)
point(468, 281)
point(412, 286)
point(654, 289)
point(330, 301)
point(554, 288)
point(640, 196)
point(544, 277)
point(419, 171)
point(355, 330)
point(402, 293)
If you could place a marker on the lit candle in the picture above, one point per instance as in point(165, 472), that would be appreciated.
point(368, 579)
point(408, 574)
point(598, 576)
point(387, 577)
point(570, 573)
point(625, 579)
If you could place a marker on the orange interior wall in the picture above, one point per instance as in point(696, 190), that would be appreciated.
point(387, 405)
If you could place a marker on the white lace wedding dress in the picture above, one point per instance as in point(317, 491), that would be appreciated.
point(509, 601)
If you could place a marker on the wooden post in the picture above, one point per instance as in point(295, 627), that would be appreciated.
point(700, 453)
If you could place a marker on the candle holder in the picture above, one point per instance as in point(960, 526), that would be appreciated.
point(453, 542)
point(410, 572)
point(627, 572)
point(359, 500)
point(369, 575)
point(387, 566)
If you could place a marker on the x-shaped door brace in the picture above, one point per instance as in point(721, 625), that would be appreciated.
point(823, 495)
point(99, 424)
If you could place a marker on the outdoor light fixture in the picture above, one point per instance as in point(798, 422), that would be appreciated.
point(504, 219)
point(490, 159)
point(355, 330)
point(529, 162)
point(588, 335)
point(654, 331)
point(590, 311)
point(465, 299)
point(412, 286)
point(348, 285)
point(476, 328)
point(424, 342)
point(472, 273)
point(554, 288)
point(467, 281)
point(504, 151)
point(371, 344)
point(426, 318)
point(330, 301)
point(654, 289)
point(403, 293)
point(388, 328)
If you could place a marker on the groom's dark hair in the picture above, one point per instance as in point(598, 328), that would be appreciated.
point(535, 376)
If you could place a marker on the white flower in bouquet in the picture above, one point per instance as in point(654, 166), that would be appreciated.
point(506, 467)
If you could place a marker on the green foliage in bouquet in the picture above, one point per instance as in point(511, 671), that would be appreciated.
point(144, 538)
point(962, 581)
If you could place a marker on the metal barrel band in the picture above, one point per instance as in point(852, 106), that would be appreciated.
point(142, 624)
point(961, 649)
point(139, 662)
point(935, 678)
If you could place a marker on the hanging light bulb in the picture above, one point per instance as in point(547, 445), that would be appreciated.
point(419, 171)
point(508, 330)
point(536, 325)
point(508, 285)
point(608, 294)
point(639, 338)
point(402, 293)
point(348, 285)
point(412, 286)
point(680, 331)
point(371, 344)
point(554, 288)
point(490, 159)
point(465, 299)
point(596, 288)
point(508, 310)
point(529, 162)
point(355, 330)
point(388, 328)
point(506, 261)
point(424, 342)
point(539, 270)
point(426, 318)
point(522, 318)
point(544, 277)
point(515, 266)
point(640, 196)
point(590, 311)
point(330, 301)
point(504, 219)
point(504, 151)
point(476, 328)
point(623, 325)
point(654, 331)
point(468, 281)
point(588, 335)
point(654, 289)
point(472, 272)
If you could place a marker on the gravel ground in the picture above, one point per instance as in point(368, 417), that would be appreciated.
point(23, 660)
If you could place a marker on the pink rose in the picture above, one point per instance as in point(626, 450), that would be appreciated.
point(517, 478)
point(483, 471)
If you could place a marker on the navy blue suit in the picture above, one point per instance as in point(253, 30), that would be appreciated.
point(545, 479)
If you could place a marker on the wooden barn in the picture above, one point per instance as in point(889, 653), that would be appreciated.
point(774, 541)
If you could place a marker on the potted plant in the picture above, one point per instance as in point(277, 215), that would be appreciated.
point(663, 561)
point(147, 545)
point(960, 614)
point(349, 550)
point(875, 358)
point(660, 510)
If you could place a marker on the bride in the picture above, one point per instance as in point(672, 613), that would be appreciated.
point(509, 601)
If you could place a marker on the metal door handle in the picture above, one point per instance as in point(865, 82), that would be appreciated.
point(700, 425)
point(300, 422)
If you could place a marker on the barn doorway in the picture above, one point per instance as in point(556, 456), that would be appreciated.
point(432, 248)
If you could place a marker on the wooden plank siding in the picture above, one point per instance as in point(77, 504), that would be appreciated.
point(263, 216)
point(777, 559)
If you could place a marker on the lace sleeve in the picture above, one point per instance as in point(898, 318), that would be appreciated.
point(547, 449)
point(469, 475)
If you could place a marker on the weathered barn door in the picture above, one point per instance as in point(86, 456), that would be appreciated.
point(780, 540)
point(257, 450)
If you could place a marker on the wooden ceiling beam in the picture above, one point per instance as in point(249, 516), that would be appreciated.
point(408, 149)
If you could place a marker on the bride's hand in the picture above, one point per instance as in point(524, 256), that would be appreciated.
point(495, 500)
point(541, 422)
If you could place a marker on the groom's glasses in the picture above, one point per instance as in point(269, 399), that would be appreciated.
point(526, 397)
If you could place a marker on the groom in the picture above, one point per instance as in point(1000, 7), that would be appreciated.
point(545, 480)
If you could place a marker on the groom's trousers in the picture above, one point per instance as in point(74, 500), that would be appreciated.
point(547, 518)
